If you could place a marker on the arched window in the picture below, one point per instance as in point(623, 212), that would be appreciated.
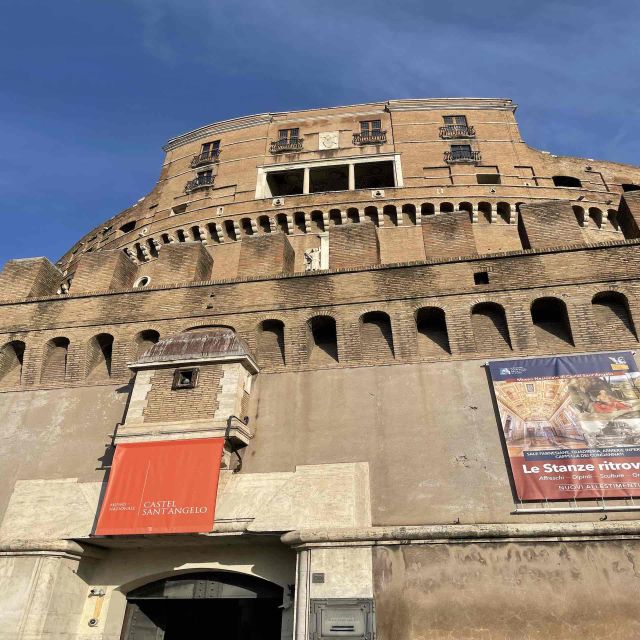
point(551, 322)
point(264, 224)
point(433, 338)
point(596, 216)
point(566, 181)
point(271, 342)
point(578, 212)
point(230, 230)
point(484, 210)
point(490, 329)
point(335, 217)
point(427, 209)
point(353, 215)
point(54, 360)
point(11, 359)
point(317, 222)
point(245, 227)
point(390, 216)
point(299, 221)
point(504, 211)
point(376, 337)
point(322, 340)
point(446, 207)
point(144, 341)
point(409, 213)
point(99, 354)
point(282, 224)
point(371, 214)
point(612, 316)
point(465, 206)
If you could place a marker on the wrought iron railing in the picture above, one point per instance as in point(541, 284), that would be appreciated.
point(457, 131)
point(370, 137)
point(200, 182)
point(205, 158)
point(286, 145)
point(461, 156)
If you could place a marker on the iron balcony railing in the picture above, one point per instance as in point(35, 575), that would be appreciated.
point(205, 158)
point(285, 145)
point(461, 155)
point(200, 182)
point(457, 131)
point(370, 137)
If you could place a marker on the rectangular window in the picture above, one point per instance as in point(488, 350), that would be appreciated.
point(488, 178)
point(458, 120)
point(289, 135)
point(185, 379)
point(461, 150)
point(481, 277)
point(370, 126)
point(210, 147)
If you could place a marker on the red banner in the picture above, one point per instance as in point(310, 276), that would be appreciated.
point(165, 486)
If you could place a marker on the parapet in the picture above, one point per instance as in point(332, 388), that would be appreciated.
point(29, 278)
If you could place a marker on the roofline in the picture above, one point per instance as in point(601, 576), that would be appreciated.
point(409, 104)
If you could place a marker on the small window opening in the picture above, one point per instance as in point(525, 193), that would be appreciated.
point(488, 178)
point(179, 209)
point(566, 181)
point(128, 226)
point(288, 135)
point(481, 277)
point(370, 126)
point(210, 148)
point(185, 379)
point(631, 187)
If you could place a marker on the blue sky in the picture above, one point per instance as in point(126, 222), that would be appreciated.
point(91, 89)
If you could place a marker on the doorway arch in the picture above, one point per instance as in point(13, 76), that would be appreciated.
point(224, 604)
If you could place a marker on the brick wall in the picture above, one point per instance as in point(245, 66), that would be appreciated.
point(103, 271)
point(29, 278)
point(265, 255)
point(550, 224)
point(185, 262)
point(353, 244)
point(448, 236)
point(165, 404)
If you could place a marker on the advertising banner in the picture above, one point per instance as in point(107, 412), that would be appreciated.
point(165, 486)
point(571, 425)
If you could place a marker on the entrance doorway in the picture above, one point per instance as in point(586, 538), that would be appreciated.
point(211, 605)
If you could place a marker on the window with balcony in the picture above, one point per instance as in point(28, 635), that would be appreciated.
point(370, 133)
point(288, 140)
point(209, 152)
point(461, 153)
point(456, 127)
point(203, 180)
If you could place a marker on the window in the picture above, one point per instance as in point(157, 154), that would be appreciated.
point(185, 379)
point(128, 226)
point(178, 209)
point(288, 135)
point(461, 121)
point(630, 187)
point(488, 178)
point(142, 282)
point(368, 127)
point(205, 177)
point(566, 181)
point(481, 277)
point(210, 148)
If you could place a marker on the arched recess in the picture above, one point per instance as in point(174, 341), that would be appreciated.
point(264, 225)
point(551, 323)
point(484, 211)
point(230, 230)
point(317, 222)
point(99, 356)
point(409, 213)
point(322, 340)
point(54, 360)
point(282, 224)
point(271, 343)
point(376, 337)
point(222, 604)
point(433, 337)
point(145, 340)
point(446, 207)
point(504, 211)
point(490, 329)
point(245, 227)
point(11, 360)
point(566, 181)
point(595, 215)
point(390, 216)
point(371, 214)
point(299, 221)
point(612, 315)
point(465, 206)
point(578, 212)
point(427, 209)
point(353, 215)
point(335, 217)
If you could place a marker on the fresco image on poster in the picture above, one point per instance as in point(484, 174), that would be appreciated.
point(571, 425)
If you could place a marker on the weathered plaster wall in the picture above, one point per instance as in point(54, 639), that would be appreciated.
point(503, 591)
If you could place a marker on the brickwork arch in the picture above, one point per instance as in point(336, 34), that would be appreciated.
point(376, 336)
point(271, 343)
point(143, 341)
point(612, 315)
point(490, 327)
point(322, 339)
point(99, 356)
point(432, 332)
